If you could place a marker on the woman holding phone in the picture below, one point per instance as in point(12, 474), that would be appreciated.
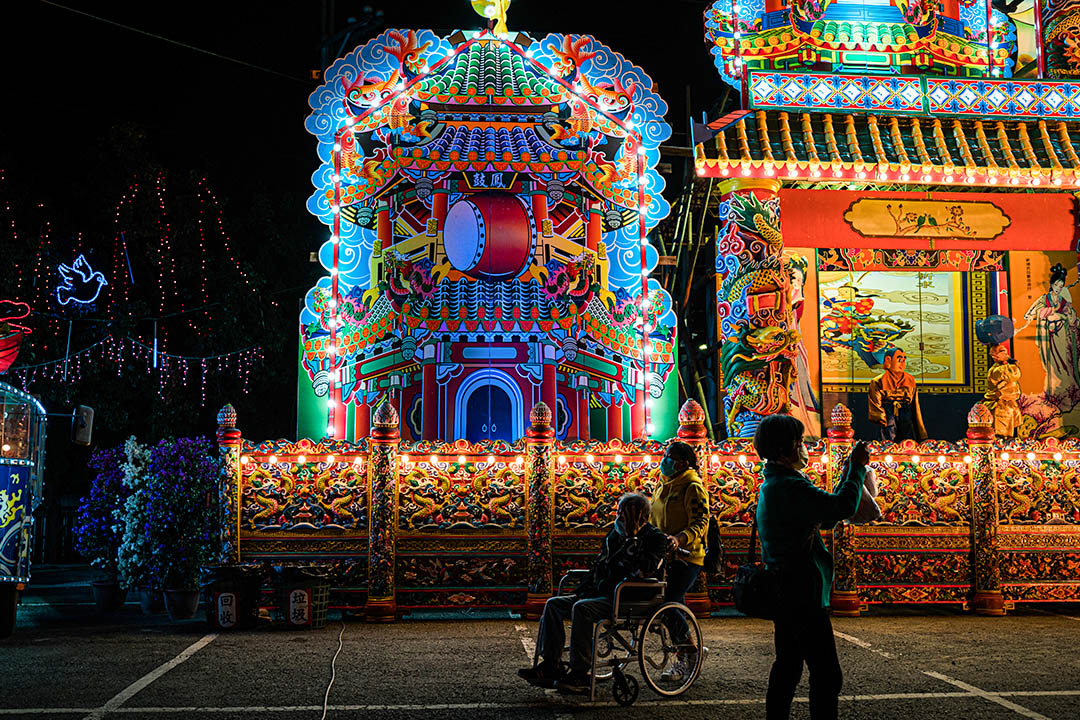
point(790, 514)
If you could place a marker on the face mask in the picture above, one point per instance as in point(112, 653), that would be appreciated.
point(804, 458)
point(620, 526)
point(667, 467)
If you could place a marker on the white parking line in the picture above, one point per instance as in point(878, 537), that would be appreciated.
point(863, 644)
point(992, 697)
point(967, 692)
point(970, 689)
point(1056, 614)
point(527, 641)
point(131, 690)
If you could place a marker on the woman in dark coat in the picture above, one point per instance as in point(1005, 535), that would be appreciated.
point(790, 514)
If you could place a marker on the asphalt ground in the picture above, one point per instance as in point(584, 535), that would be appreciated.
point(899, 663)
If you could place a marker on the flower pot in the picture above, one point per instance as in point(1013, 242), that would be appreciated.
point(181, 604)
point(108, 595)
point(150, 601)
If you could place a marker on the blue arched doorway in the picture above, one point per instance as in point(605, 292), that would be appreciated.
point(488, 411)
point(489, 407)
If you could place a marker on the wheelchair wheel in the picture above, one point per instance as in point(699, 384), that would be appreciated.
point(667, 666)
point(625, 688)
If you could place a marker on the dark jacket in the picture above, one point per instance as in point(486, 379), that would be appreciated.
point(622, 558)
point(790, 513)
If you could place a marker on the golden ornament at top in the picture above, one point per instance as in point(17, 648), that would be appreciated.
point(493, 10)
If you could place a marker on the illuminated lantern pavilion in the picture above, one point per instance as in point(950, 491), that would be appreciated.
point(487, 198)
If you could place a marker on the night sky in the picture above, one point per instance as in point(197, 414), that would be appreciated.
point(69, 77)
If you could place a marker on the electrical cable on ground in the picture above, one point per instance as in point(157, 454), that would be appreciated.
point(333, 671)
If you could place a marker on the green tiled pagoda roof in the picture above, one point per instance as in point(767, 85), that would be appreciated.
point(876, 33)
point(487, 70)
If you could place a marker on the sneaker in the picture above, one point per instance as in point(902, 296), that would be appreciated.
point(676, 671)
point(574, 684)
point(542, 675)
point(684, 664)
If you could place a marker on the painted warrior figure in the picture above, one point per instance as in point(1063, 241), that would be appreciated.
point(1002, 391)
point(894, 400)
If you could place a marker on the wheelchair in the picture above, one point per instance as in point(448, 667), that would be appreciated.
point(639, 632)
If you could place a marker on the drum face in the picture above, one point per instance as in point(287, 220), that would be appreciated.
point(488, 236)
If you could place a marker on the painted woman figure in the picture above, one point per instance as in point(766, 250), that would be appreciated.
point(1057, 332)
point(803, 399)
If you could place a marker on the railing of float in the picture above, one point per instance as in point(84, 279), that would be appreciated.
point(408, 525)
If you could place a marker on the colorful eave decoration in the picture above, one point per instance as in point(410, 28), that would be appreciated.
point(820, 147)
point(776, 41)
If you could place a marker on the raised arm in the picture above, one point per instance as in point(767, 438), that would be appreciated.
point(830, 508)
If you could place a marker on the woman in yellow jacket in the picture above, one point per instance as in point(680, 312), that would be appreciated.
point(680, 509)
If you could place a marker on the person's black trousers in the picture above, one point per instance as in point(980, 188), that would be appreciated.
point(804, 636)
point(680, 578)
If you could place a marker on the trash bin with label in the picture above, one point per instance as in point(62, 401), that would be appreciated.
point(303, 596)
point(232, 595)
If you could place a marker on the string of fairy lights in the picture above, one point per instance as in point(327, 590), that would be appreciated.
point(152, 348)
point(124, 351)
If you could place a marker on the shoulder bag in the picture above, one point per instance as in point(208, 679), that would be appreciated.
point(757, 588)
point(714, 548)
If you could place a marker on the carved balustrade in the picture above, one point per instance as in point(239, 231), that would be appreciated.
point(406, 526)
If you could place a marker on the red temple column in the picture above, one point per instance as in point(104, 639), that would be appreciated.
point(549, 388)
point(361, 420)
point(384, 229)
point(539, 209)
point(439, 200)
point(951, 9)
point(987, 597)
point(692, 432)
point(539, 508)
point(430, 403)
point(340, 410)
point(614, 416)
point(844, 600)
point(595, 228)
point(582, 410)
point(381, 605)
point(637, 415)
point(229, 442)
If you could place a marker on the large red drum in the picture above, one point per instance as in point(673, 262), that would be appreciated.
point(488, 235)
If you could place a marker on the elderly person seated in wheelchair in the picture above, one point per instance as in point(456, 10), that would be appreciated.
point(633, 549)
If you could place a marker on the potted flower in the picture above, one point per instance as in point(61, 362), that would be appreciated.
point(99, 526)
point(181, 518)
point(134, 550)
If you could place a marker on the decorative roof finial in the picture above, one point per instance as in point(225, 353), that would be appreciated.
point(493, 10)
point(841, 416)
